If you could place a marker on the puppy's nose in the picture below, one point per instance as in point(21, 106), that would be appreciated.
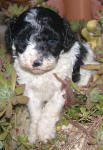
point(37, 63)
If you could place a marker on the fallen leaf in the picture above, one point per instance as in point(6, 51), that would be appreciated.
point(9, 111)
point(2, 113)
point(13, 79)
point(3, 136)
point(20, 100)
point(2, 104)
point(92, 67)
point(3, 80)
point(19, 90)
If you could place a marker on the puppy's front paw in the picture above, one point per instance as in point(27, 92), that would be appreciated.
point(46, 131)
point(32, 139)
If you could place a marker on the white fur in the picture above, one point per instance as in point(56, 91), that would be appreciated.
point(30, 18)
point(45, 87)
point(14, 50)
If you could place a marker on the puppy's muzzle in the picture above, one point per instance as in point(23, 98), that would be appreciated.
point(37, 63)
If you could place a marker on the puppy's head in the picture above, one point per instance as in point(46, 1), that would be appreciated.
point(37, 37)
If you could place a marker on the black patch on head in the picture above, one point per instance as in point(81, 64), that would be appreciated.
point(51, 33)
point(78, 63)
point(48, 41)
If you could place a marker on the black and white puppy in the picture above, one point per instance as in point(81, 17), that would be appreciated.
point(42, 43)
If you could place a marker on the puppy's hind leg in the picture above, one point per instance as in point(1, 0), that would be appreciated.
point(84, 73)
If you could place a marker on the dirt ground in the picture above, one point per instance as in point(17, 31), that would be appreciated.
point(70, 137)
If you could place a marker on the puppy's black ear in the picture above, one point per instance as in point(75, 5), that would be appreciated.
point(68, 36)
point(9, 34)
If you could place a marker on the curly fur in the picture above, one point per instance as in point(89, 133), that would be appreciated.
point(42, 43)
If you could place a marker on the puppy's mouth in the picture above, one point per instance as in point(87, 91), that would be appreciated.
point(41, 70)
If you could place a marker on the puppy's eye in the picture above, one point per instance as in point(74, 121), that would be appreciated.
point(51, 42)
point(23, 44)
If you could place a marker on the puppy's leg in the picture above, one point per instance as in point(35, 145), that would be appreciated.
point(85, 75)
point(50, 115)
point(34, 106)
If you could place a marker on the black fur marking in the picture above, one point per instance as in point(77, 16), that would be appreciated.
point(44, 26)
point(78, 63)
point(69, 36)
